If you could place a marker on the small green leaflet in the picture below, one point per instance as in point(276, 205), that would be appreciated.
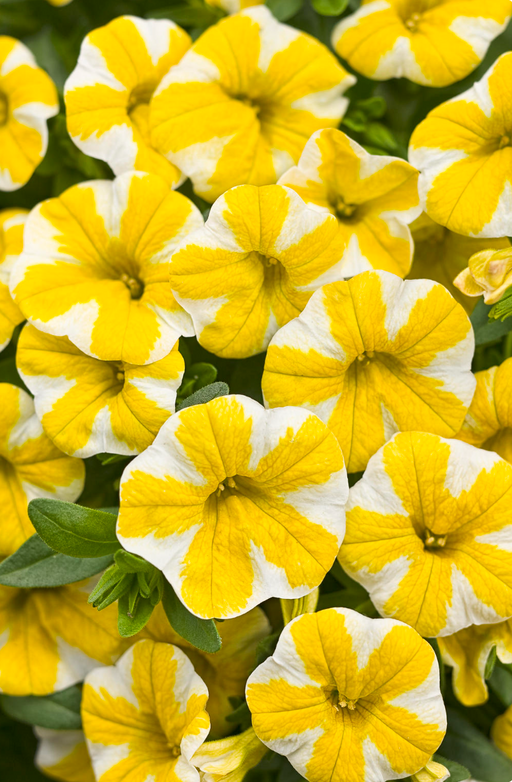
point(130, 622)
point(284, 9)
point(59, 711)
point(201, 633)
point(487, 330)
point(329, 7)
point(205, 394)
point(73, 530)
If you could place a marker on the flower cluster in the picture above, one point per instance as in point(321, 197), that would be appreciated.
point(256, 395)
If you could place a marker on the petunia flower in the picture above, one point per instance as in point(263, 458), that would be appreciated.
point(224, 490)
point(108, 94)
point(501, 732)
point(489, 273)
point(432, 772)
point(464, 152)
point(12, 222)
point(95, 267)
point(349, 698)
point(225, 672)
point(50, 638)
point(488, 422)
point(373, 356)
point(441, 255)
point(229, 759)
point(428, 531)
point(30, 466)
point(244, 100)
point(373, 197)
point(467, 653)
point(430, 42)
point(63, 755)
point(253, 267)
point(145, 717)
point(28, 98)
point(87, 406)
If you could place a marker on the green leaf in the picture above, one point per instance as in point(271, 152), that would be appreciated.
point(59, 711)
point(112, 458)
point(503, 308)
point(131, 622)
point(266, 647)
point(36, 565)
point(73, 530)
point(442, 673)
point(491, 662)
point(487, 330)
point(201, 633)
point(329, 7)
point(205, 394)
point(284, 9)
point(501, 684)
point(458, 773)
point(374, 107)
point(379, 135)
point(468, 746)
point(203, 374)
point(131, 563)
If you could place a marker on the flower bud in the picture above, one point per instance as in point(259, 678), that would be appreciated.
point(432, 772)
point(489, 273)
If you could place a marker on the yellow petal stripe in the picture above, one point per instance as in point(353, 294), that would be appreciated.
point(229, 759)
point(12, 222)
point(501, 732)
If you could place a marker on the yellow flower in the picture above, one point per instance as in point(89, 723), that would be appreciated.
point(224, 673)
point(467, 652)
point(348, 698)
point(253, 267)
point(107, 96)
point(63, 755)
point(464, 151)
point(145, 717)
point(87, 406)
point(228, 487)
point(301, 605)
point(244, 100)
point(373, 197)
point(229, 760)
point(488, 422)
point(59, 3)
point(440, 255)
point(428, 534)
point(489, 273)
point(432, 772)
point(234, 6)
point(373, 356)
point(501, 732)
point(30, 466)
point(50, 638)
point(12, 222)
point(28, 98)
point(95, 267)
point(431, 42)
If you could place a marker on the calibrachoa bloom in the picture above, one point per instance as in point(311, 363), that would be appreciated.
point(224, 490)
point(244, 117)
point(28, 98)
point(501, 732)
point(63, 755)
point(373, 356)
point(11, 245)
point(145, 717)
point(488, 423)
point(468, 651)
point(428, 530)
point(88, 406)
point(231, 758)
point(348, 698)
point(30, 466)
point(489, 273)
point(464, 151)
point(108, 94)
point(431, 42)
point(373, 197)
point(440, 255)
point(50, 638)
point(225, 672)
point(95, 267)
point(253, 267)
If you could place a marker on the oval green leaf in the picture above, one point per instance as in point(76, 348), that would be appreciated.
point(59, 711)
point(329, 7)
point(73, 530)
point(201, 633)
point(205, 394)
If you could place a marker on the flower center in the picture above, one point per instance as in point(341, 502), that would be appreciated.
point(433, 541)
point(175, 750)
point(341, 701)
point(505, 141)
point(412, 22)
point(141, 95)
point(4, 109)
point(365, 358)
point(228, 485)
point(343, 210)
point(252, 104)
point(118, 368)
point(134, 285)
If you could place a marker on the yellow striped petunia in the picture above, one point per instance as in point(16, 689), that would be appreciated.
point(63, 755)
point(12, 222)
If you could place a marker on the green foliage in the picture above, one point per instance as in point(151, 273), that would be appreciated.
point(196, 376)
point(466, 745)
point(73, 530)
point(205, 394)
point(503, 308)
point(201, 633)
point(17, 748)
point(330, 7)
point(284, 9)
point(487, 331)
point(500, 683)
point(60, 711)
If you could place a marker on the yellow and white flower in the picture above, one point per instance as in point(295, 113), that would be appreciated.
point(488, 274)
point(12, 222)
point(373, 197)
point(234, 6)
point(95, 267)
point(431, 42)
point(87, 406)
point(145, 717)
point(28, 98)
point(253, 267)
point(467, 653)
point(224, 490)
point(428, 534)
point(50, 638)
point(488, 423)
point(348, 698)
point(441, 255)
point(501, 732)
point(30, 466)
point(464, 152)
point(108, 94)
point(225, 672)
point(244, 100)
point(372, 356)
point(63, 755)
point(229, 759)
